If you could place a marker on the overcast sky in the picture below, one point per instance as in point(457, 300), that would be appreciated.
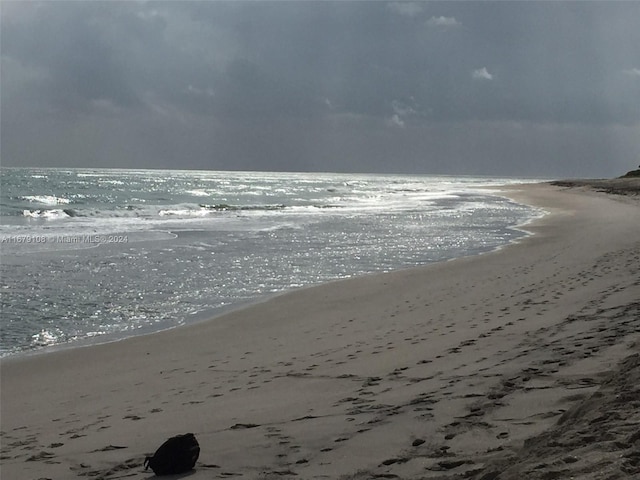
point(545, 89)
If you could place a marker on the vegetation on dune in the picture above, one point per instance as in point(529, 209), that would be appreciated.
point(632, 173)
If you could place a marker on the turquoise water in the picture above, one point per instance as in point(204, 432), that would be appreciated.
point(105, 254)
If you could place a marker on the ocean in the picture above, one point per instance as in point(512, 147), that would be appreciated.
point(92, 255)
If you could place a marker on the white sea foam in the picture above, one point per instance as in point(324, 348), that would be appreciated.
point(44, 338)
point(47, 199)
point(54, 214)
point(197, 193)
point(184, 212)
point(112, 182)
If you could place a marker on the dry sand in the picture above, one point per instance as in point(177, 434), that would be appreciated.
point(499, 366)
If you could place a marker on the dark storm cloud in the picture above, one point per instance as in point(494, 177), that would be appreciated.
point(411, 86)
point(69, 44)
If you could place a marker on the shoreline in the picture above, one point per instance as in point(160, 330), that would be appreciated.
point(427, 372)
point(214, 313)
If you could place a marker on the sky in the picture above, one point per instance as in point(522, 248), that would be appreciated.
point(535, 89)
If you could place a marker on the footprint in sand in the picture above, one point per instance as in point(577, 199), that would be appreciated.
point(132, 417)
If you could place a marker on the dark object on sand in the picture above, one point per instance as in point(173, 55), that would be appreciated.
point(177, 455)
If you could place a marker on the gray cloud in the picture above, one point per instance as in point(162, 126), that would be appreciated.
point(323, 85)
point(408, 9)
point(481, 74)
point(444, 22)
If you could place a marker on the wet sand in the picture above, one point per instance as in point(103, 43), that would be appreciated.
point(499, 366)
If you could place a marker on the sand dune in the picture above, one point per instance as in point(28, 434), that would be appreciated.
point(521, 363)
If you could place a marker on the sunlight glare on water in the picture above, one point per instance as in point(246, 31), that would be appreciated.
point(97, 254)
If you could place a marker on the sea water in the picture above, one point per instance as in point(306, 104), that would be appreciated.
point(105, 254)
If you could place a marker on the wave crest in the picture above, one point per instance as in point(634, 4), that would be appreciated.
point(46, 199)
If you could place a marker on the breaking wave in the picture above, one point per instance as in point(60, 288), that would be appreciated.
point(46, 199)
point(52, 214)
point(137, 211)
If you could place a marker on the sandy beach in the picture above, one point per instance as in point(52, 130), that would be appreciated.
point(520, 363)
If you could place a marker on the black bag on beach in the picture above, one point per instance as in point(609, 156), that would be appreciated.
point(177, 455)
